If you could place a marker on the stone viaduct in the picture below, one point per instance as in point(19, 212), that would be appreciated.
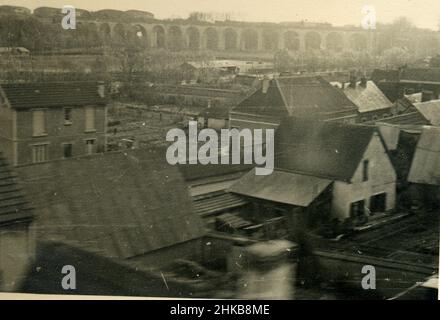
point(236, 37)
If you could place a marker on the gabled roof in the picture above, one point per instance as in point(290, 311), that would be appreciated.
point(13, 203)
point(282, 187)
point(296, 95)
point(425, 167)
point(118, 205)
point(368, 97)
point(327, 150)
point(430, 110)
point(52, 94)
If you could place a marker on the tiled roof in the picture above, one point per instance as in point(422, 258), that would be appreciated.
point(368, 98)
point(193, 172)
point(52, 94)
point(118, 205)
point(322, 149)
point(425, 167)
point(430, 110)
point(298, 95)
point(13, 203)
point(282, 187)
point(217, 202)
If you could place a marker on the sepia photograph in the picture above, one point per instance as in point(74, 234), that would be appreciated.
point(235, 149)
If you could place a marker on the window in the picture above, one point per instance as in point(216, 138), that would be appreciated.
point(39, 123)
point(39, 153)
point(357, 209)
point(90, 146)
point(67, 150)
point(365, 168)
point(90, 118)
point(378, 203)
point(67, 116)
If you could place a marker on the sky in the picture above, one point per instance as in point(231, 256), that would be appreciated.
point(423, 13)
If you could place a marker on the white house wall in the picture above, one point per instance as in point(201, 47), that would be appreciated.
point(382, 179)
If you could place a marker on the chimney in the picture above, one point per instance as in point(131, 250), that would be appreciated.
point(101, 89)
point(363, 82)
point(352, 80)
point(265, 85)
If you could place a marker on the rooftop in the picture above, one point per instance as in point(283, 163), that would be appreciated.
point(367, 97)
point(327, 150)
point(293, 95)
point(430, 110)
point(131, 203)
point(52, 94)
point(13, 203)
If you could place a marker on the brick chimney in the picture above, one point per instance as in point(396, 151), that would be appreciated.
point(353, 80)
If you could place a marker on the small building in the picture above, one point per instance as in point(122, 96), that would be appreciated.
point(17, 241)
point(46, 121)
point(115, 218)
point(326, 170)
point(298, 96)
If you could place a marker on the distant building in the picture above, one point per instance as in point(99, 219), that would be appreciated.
point(47, 121)
point(406, 81)
point(115, 217)
point(17, 241)
point(299, 96)
point(372, 103)
point(325, 170)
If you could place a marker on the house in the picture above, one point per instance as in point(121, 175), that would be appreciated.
point(46, 121)
point(326, 169)
point(17, 243)
point(372, 103)
point(299, 96)
point(430, 110)
point(425, 168)
point(115, 217)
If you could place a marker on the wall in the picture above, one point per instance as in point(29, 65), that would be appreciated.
point(58, 133)
point(382, 178)
point(17, 250)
